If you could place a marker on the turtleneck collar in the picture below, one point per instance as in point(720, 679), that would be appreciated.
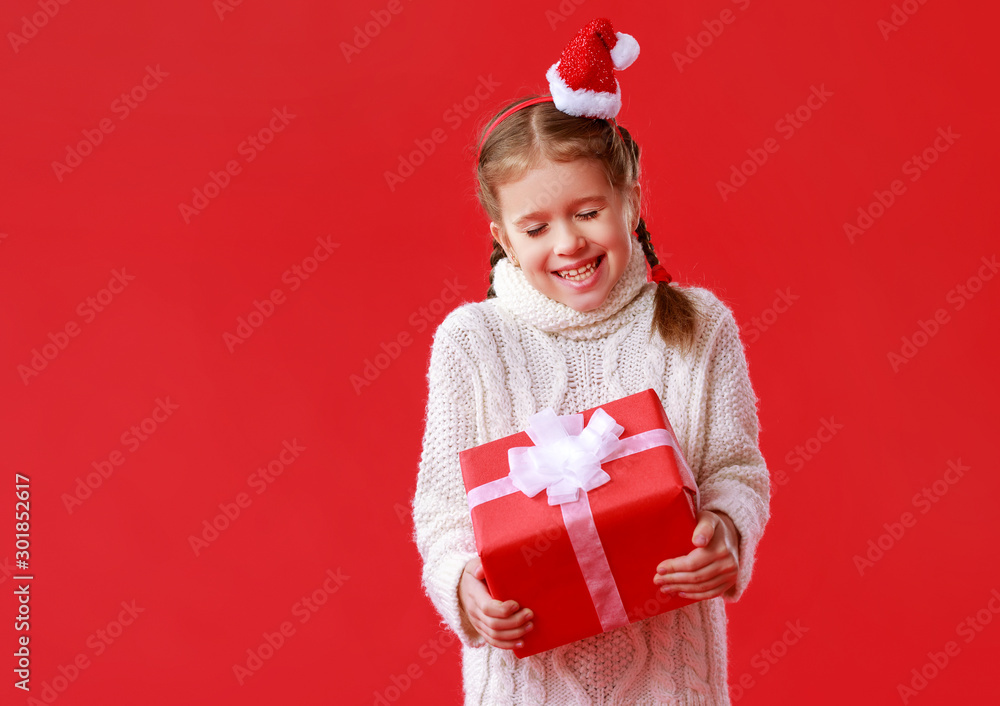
point(516, 295)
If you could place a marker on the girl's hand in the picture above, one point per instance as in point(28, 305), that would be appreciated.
point(711, 568)
point(499, 622)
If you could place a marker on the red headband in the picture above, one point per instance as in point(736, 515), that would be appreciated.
point(525, 104)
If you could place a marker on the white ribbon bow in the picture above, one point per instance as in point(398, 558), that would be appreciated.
point(566, 457)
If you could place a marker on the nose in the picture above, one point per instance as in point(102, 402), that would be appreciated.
point(569, 239)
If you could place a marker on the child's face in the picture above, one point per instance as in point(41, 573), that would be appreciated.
point(563, 216)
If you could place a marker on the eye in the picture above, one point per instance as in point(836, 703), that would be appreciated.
point(535, 231)
point(589, 215)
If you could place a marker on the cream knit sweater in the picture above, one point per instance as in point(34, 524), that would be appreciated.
point(495, 363)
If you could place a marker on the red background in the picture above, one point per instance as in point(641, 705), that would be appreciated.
point(343, 503)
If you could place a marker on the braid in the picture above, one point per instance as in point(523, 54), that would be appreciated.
point(673, 312)
point(647, 246)
point(495, 257)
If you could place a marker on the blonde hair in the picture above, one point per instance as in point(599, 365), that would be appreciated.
point(543, 132)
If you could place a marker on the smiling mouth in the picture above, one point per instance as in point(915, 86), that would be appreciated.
point(582, 273)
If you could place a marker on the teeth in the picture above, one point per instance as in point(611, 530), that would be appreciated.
point(579, 274)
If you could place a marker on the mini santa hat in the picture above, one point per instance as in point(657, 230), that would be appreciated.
point(583, 82)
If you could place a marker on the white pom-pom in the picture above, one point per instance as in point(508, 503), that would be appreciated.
point(625, 52)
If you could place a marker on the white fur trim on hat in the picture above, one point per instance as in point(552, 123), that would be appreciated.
point(583, 102)
point(625, 52)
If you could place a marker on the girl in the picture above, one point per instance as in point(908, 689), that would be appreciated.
point(570, 321)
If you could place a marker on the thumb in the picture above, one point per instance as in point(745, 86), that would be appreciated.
point(705, 528)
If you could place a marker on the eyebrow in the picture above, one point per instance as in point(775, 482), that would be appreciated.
point(575, 202)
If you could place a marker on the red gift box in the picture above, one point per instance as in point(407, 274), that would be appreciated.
point(582, 566)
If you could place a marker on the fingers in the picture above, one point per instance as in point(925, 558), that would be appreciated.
point(698, 557)
point(512, 636)
point(506, 644)
point(507, 615)
point(713, 580)
point(711, 569)
point(503, 623)
point(724, 580)
point(709, 593)
point(705, 529)
point(698, 566)
point(706, 573)
point(693, 561)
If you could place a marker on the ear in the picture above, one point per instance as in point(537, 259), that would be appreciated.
point(499, 236)
point(635, 200)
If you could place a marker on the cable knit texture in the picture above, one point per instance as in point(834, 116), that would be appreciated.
point(495, 363)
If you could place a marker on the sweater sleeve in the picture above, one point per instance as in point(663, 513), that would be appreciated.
point(441, 519)
point(734, 477)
